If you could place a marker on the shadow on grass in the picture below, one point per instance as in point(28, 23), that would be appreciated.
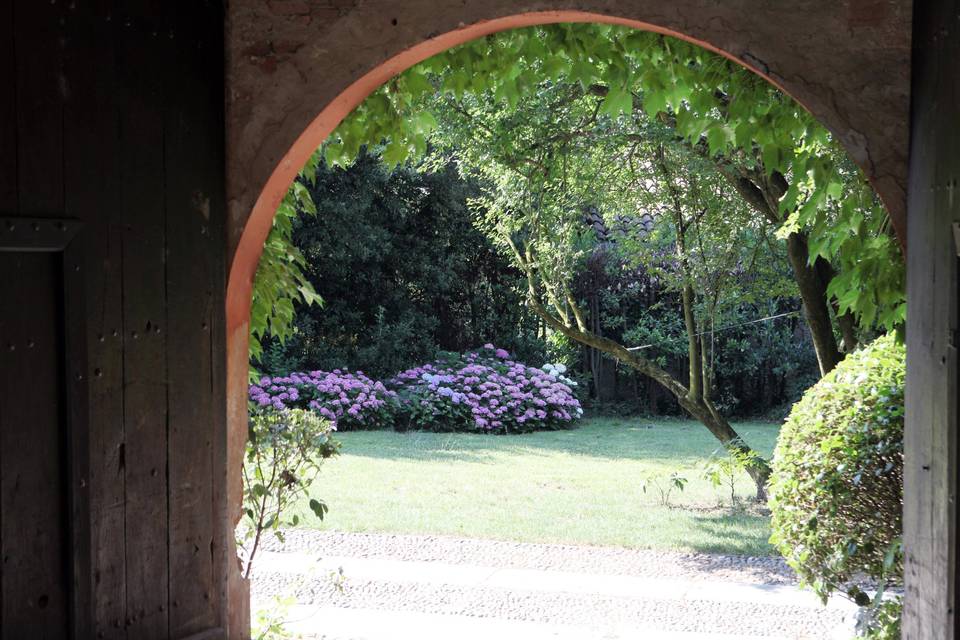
point(680, 441)
point(740, 534)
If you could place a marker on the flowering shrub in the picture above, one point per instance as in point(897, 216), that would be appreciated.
point(348, 400)
point(486, 391)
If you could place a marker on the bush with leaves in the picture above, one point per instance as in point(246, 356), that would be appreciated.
point(349, 400)
point(284, 451)
point(837, 485)
point(486, 391)
point(402, 270)
point(664, 486)
point(725, 466)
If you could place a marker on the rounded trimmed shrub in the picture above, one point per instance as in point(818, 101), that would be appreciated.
point(836, 492)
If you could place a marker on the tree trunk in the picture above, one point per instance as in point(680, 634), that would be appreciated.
point(707, 369)
point(704, 412)
point(848, 330)
point(813, 292)
point(694, 354)
point(763, 193)
point(759, 469)
point(697, 400)
point(846, 321)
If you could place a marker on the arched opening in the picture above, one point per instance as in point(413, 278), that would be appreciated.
point(257, 226)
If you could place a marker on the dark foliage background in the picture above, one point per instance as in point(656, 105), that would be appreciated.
point(405, 275)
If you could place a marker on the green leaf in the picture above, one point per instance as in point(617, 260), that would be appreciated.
point(617, 101)
point(716, 139)
point(319, 508)
point(743, 135)
point(772, 155)
point(425, 122)
point(654, 102)
point(395, 153)
point(417, 84)
point(584, 72)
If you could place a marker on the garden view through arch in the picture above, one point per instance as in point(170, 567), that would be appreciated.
point(247, 246)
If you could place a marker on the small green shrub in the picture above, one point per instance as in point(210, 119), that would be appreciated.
point(836, 493)
point(664, 486)
point(882, 620)
point(726, 465)
point(285, 448)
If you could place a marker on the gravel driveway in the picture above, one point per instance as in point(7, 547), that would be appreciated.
point(398, 586)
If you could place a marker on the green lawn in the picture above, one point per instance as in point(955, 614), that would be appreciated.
point(577, 486)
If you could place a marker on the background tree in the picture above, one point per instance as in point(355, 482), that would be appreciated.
point(783, 163)
point(539, 162)
point(404, 273)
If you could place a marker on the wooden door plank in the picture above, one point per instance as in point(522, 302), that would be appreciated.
point(144, 456)
point(8, 114)
point(91, 194)
point(34, 509)
point(34, 574)
point(40, 93)
point(930, 439)
point(194, 153)
point(8, 183)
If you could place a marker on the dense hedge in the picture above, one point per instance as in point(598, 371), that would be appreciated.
point(403, 272)
point(837, 485)
point(485, 391)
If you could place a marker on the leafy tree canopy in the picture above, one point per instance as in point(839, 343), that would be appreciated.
point(713, 104)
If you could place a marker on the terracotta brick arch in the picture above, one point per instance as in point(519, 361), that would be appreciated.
point(297, 67)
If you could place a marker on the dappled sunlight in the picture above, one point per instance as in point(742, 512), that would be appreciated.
point(542, 487)
point(628, 224)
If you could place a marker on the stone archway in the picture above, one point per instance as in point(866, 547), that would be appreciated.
point(296, 68)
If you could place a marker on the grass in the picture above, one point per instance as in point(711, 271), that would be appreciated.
point(579, 486)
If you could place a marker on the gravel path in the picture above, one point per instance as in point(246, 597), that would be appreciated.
point(523, 555)
point(391, 579)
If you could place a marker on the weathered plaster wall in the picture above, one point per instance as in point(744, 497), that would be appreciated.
point(289, 60)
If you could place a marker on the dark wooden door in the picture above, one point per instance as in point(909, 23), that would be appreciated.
point(112, 115)
point(44, 504)
point(34, 506)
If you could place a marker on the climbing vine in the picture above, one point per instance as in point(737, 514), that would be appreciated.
point(281, 281)
point(731, 114)
point(727, 113)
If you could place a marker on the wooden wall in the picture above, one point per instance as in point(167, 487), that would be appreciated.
point(111, 115)
point(931, 454)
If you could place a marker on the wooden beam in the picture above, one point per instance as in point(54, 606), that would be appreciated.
point(931, 462)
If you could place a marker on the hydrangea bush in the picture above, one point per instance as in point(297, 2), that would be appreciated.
point(486, 391)
point(349, 400)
